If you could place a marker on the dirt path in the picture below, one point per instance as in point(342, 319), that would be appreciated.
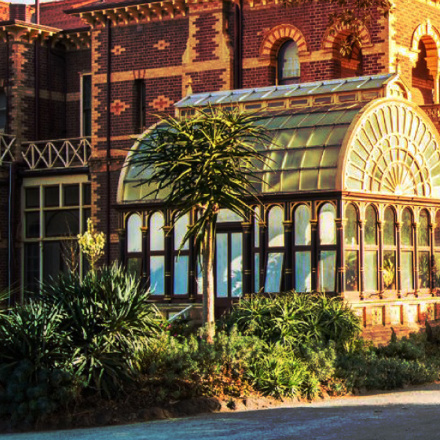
point(410, 414)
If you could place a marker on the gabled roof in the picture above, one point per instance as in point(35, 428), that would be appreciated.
point(55, 14)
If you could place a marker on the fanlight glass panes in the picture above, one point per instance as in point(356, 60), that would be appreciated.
point(370, 226)
point(275, 227)
point(134, 233)
point(423, 230)
point(389, 235)
point(406, 234)
point(393, 151)
point(302, 226)
point(226, 215)
point(157, 242)
point(180, 229)
point(327, 225)
point(351, 226)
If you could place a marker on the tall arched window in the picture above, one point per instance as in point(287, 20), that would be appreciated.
point(134, 244)
point(351, 249)
point(157, 254)
point(275, 250)
point(289, 71)
point(327, 248)
point(181, 256)
point(407, 251)
point(424, 250)
point(302, 249)
point(389, 250)
point(371, 249)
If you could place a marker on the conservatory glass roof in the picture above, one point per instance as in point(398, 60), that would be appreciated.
point(302, 156)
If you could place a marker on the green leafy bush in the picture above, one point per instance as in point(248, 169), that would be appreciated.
point(105, 320)
point(296, 319)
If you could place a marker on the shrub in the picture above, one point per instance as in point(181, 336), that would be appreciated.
point(105, 320)
point(296, 319)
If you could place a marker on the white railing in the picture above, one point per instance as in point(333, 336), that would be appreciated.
point(59, 153)
point(7, 142)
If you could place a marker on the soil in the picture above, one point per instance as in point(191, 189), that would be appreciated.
point(96, 413)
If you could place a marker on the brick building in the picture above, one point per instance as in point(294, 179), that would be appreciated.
point(82, 81)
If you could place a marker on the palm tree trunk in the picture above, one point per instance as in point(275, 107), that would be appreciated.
point(208, 282)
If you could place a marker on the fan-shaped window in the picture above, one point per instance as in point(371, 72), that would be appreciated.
point(351, 249)
point(302, 249)
point(389, 252)
point(371, 249)
point(407, 251)
point(157, 254)
point(424, 250)
point(327, 248)
point(275, 253)
point(289, 71)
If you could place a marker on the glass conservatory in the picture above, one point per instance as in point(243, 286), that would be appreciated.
point(350, 205)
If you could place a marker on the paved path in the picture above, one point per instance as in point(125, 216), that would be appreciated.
point(409, 414)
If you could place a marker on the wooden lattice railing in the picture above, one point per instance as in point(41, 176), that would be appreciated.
point(59, 153)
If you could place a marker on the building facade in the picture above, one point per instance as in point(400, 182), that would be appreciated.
point(351, 208)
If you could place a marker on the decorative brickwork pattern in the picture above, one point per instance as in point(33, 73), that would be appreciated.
point(117, 50)
point(161, 45)
point(161, 103)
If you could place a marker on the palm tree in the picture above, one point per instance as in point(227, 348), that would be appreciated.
point(203, 163)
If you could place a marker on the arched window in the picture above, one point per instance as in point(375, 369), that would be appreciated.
point(327, 248)
point(371, 249)
point(302, 249)
point(422, 78)
point(181, 256)
point(134, 244)
point(424, 250)
point(407, 251)
point(275, 250)
point(289, 71)
point(157, 254)
point(351, 249)
point(389, 250)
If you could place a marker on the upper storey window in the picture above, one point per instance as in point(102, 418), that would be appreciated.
point(289, 70)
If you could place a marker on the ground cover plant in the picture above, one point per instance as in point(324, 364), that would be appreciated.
point(81, 341)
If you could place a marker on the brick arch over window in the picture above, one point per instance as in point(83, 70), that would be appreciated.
point(334, 36)
point(430, 36)
point(279, 35)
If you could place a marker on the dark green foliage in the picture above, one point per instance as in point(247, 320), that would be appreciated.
point(106, 319)
point(296, 319)
point(74, 335)
point(369, 371)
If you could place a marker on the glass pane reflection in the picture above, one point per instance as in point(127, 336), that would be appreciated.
point(276, 231)
point(222, 265)
point(273, 272)
point(236, 264)
point(302, 226)
point(156, 232)
point(351, 271)
point(327, 225)
point(407, 271)
point(134, 233)
point(303, 273)
point(181, 275)
point(327, 267)
point(157, 275)
point(371, 270)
